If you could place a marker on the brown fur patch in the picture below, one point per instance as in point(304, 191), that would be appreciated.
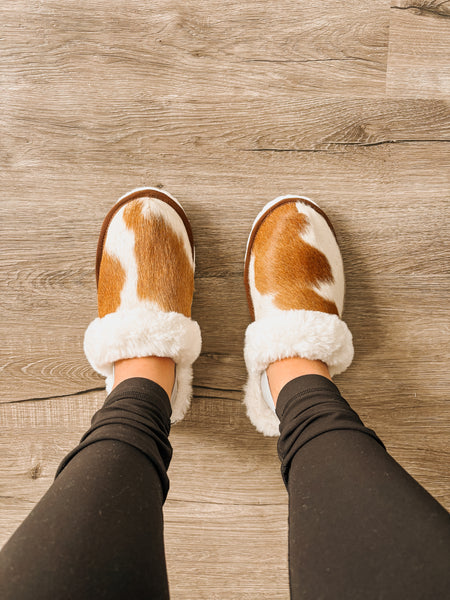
point(286, 266)
point(110, 283)
point(165, 274)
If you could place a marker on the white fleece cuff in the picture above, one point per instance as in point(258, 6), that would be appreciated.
point(285, 334)
point(144, 331)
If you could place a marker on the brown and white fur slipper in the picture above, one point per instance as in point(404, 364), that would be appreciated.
point(145, 284)
point(294, 279)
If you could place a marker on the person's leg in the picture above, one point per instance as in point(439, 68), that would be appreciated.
point(98, 531)
point(359, 525)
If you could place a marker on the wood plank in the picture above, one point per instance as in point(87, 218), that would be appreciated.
point(233, 563)
point(334, 48)
point(419, 50)
point(137, 136)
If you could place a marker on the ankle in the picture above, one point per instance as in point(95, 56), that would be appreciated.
point(282, 371)
point(161, 370)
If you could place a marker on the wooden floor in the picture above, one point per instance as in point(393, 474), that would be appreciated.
point(225, 105)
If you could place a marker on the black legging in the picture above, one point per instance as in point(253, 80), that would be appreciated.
point(359, 526)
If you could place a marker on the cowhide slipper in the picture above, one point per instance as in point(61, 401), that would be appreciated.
point(294, 278)
point(145, 285)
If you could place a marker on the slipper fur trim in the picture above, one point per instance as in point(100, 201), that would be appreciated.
point(146, 331)
point(285, 334)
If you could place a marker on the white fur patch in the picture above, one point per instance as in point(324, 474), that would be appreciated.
point(119, 243)
point(262, 303)
point(144, 331)
point(319, 235)
point(284, 334)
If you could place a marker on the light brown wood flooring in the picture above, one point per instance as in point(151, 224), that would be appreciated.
point(225, 105)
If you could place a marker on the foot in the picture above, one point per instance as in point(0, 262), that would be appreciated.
point(158, 369)
point(295, 289)
point(280, 372)
point(145, 285)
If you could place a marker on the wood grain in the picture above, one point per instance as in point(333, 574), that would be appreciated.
point(419, 49)
point(225, 106)
point(137, 134)
point(252, 46)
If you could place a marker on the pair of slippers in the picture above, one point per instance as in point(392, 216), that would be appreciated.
point(145, 282)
